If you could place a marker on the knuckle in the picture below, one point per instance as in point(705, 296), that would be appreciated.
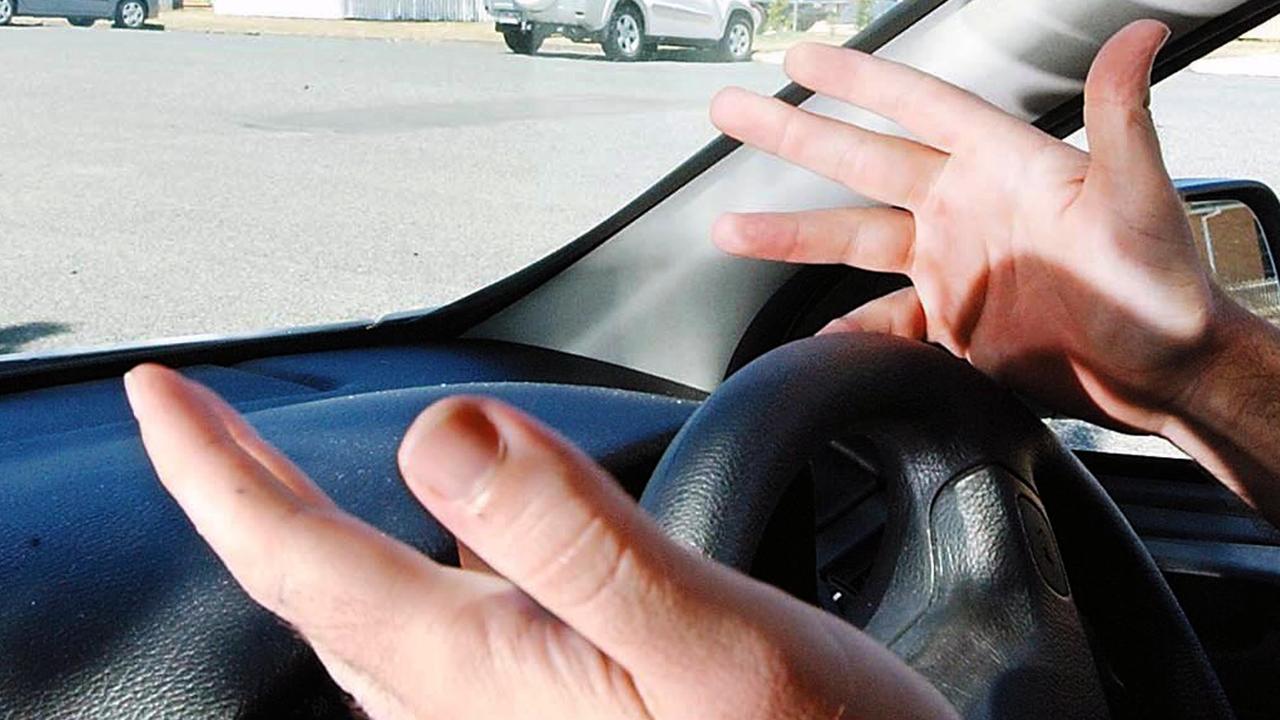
point(849, 163)
point(790, 138)
point(589, 564)
point(793, 239)
point(854, 240)
point(903, 100)
point(907, 232)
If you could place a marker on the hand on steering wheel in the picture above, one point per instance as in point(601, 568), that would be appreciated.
point(571, 602)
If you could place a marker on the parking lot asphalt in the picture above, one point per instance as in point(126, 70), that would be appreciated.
point(168, 183)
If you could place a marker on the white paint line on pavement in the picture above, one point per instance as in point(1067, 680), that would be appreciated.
point(1255, 65)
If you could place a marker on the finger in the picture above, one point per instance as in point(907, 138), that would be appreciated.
point(1122, 136)
point(939, 113)
point(345, 586)
point(898, 313)
point(893, 170)
point(551, 521)
point(879, 239)
point(252, 443)
point(217, 483)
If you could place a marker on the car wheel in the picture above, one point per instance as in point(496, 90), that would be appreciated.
point(131, 14)
point(6, 11)
point(735, 46)
point(82, 21)
point(624, 36)
point(524, 42)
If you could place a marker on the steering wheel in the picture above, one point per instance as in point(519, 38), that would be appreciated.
point(974, 589)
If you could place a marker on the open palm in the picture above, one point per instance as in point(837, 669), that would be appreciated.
point(1070, 275)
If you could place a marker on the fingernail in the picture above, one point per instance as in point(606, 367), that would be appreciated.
point(128, 392)
point(451, 449)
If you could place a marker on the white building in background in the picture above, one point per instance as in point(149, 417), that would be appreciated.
point(454, 10)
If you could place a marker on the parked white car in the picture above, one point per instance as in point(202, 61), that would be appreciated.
point(630, 29)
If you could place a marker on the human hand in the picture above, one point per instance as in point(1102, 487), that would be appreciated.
point(571, 602)
point(1072, 276)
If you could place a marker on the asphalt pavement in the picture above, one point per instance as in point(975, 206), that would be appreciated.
point(170, 183)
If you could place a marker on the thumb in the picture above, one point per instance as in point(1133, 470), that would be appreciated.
point(1122, 135)
point(551, 521)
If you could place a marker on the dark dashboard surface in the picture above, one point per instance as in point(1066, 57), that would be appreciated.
point(107, 590)
point(291, 379)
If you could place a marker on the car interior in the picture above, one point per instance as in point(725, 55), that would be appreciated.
point(1029, 565)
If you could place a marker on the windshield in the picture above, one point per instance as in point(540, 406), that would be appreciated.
point(220, 170)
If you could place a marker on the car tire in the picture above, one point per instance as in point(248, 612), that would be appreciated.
point(735, 46)
point(6, 11)
point(524, 42)
point(624, 35)
point(82, 21)
point(131, 14)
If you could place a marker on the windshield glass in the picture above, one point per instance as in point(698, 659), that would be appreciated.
point(233, 170)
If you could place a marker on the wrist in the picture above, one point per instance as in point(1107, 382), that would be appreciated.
point(1226, 419)
point(1236, 347)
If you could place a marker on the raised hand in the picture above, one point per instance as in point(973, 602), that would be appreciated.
point(1070, 275)
point(574, 605)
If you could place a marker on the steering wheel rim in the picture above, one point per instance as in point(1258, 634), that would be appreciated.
point(969, 559)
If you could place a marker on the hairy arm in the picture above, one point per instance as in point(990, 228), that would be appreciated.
point(1229, 420)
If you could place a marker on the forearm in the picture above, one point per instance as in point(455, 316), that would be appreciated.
point(1230, 420)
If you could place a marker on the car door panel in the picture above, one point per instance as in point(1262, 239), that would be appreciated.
point(98, 8)
point(39, 7)
point(1221, 559)
point(683, 19)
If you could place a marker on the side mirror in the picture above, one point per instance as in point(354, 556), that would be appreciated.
point(1236, 225)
